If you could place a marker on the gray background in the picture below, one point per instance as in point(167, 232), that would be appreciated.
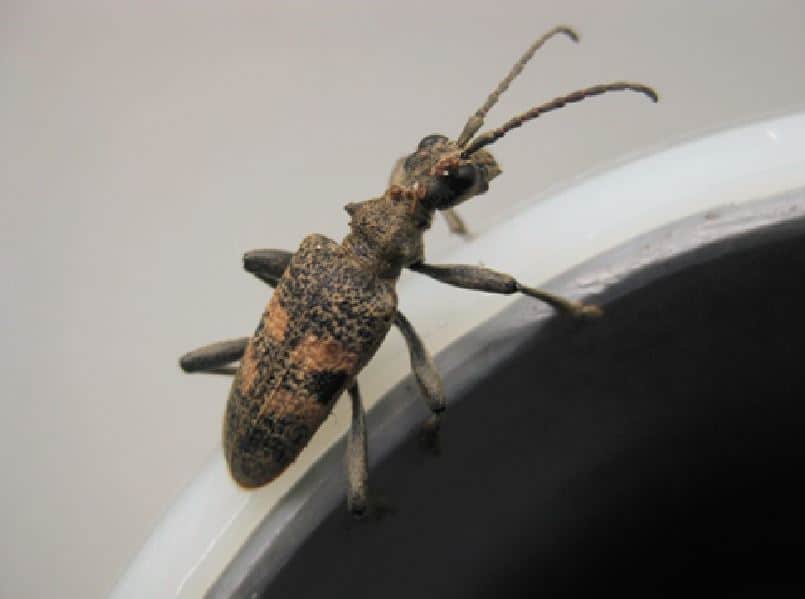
point(146, 145)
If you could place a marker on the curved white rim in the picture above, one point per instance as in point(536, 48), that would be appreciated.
point(210, 521)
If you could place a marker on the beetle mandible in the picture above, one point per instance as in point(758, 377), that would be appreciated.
point(334, 303)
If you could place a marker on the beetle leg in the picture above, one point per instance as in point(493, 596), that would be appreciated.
point(357, 457)
point(484, 279)
point(214, 358)
point(430, 383)
point(455, 223)
point(267, 265)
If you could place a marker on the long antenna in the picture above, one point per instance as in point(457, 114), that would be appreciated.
point(489, 137)
point(476, 121)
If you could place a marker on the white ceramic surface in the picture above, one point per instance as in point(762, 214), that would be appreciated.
point(146, 145)
point(212, 518)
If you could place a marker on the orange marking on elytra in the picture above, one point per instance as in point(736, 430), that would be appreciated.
point(248, 369)
point(302, 406)
point(275, 319)
point(315, 354)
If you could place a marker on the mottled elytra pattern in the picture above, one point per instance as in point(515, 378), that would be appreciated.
point(334, 303)
point(323, 323)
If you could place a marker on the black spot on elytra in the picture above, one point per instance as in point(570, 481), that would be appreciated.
point(325, 384)
point(326, 296)
point(253, 441)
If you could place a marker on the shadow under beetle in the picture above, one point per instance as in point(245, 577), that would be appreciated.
point(334, 303)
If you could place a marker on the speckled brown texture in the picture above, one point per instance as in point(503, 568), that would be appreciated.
point(332, 307)
point(275, 319)
point(331, 310)
point(334, 303)
point(325, 320)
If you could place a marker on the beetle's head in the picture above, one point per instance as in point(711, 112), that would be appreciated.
point(454, 171)
point(448, 177)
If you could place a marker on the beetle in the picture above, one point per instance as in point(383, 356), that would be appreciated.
point(334, 303)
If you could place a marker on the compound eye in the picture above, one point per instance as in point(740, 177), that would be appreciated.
point(461, 179)
point(430, 140)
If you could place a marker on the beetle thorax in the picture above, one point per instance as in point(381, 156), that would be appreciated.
point(386, 232)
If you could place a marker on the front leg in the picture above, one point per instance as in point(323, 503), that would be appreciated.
point(485, 279)
point(455, 223)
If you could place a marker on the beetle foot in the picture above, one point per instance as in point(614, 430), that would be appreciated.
point(582, 310)
point(358, 511)
point(377, 506)
point(429, 437)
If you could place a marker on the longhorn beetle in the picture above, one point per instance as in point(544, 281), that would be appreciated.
point(334, 303)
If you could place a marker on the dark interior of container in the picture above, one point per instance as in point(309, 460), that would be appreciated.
point(659, 450)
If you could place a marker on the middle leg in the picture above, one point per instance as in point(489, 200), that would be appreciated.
point(357, 457)
point(430, 383)
point(267, 265)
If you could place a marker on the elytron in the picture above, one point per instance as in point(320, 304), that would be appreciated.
point(334, 303)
